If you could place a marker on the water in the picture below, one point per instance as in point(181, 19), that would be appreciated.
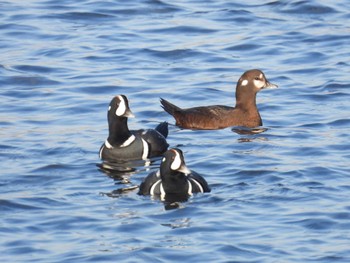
point(277, 196)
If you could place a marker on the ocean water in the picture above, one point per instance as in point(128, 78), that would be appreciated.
point(281, 195)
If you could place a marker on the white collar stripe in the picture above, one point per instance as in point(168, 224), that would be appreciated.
point(189, 187)
point(108, 145)
point(162, 192)
point(151, 191)
point(129, 141)
point(145, 149)
point(101, 151)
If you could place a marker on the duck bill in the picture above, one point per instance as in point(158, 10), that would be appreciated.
point(270, 85)
point(128, 113)
point(183, 169)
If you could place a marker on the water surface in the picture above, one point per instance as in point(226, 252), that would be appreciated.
point(277, 196)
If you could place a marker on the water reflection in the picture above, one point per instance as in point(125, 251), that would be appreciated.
point(121, 173)
point(120, 191)
point(118, 170)
point(248, 131)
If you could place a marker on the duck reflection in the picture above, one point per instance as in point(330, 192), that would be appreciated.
point(248, 131)
point(121, 172)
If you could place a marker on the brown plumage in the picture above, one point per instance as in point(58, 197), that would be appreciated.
point(245, 113)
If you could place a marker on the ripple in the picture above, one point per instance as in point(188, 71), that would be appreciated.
point(278, 191)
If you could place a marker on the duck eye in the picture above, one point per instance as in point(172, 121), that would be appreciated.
point(257, 78)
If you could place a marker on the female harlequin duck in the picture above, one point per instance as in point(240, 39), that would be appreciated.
point(173, 178)
point(245, 113)
point(123, 144)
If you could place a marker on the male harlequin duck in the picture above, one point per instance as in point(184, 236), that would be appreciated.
point(245, 113)
point(173, 178)
point(123, 144)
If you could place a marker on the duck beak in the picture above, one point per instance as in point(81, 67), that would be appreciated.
point(128, 114)
point(183, 169)
point(269, 85)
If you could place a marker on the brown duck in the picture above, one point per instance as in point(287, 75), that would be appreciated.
point(245, 113)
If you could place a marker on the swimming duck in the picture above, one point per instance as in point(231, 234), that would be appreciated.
point(245, 113)
point(173, 178)
point(123, 144)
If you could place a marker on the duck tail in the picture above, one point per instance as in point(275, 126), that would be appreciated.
point(169, 107)
point(162, 128)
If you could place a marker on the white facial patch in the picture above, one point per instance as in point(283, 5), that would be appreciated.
point(258, 83)
point(109, 108)
point(121, 108)
point(244, 82)
point(175, 165)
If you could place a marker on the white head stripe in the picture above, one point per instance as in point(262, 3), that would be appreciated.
point(128, 141)
point(177, 162)
point(244, 82)
point(189, 188)
point(145, 149)
point(121, 108)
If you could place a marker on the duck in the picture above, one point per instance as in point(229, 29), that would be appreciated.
point(173, 178)
point(244, 114)
point(123, 144)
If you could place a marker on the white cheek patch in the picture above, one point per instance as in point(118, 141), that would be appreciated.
point(163, 160)
point(121, 108)
point(176, 163)
point(258, 83)
point(109, 108)
point(244, 82)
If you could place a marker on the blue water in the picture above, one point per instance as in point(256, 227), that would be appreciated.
point(277, 196)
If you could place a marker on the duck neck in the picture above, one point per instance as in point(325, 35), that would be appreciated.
point(118, 131)
point(174, 183)
point(246, 101)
